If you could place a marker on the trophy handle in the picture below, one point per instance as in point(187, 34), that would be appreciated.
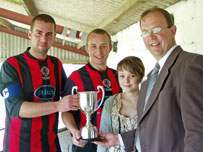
point(100, 87)
point(74, 88)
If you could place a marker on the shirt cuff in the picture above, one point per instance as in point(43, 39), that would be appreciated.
point(121, 140)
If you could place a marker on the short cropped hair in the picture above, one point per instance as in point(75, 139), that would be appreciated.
point(43, 17)
point(99, 31)
point(133, 65)
point(169, 17)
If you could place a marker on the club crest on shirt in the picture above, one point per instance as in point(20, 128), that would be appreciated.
point(107, 85)
point(45, 73)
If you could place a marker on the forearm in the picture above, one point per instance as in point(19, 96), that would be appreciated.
point(33, 109)
point(69, 121)
point(36, 109)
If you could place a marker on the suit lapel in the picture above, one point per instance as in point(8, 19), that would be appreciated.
point(141, 99)
point(158, 85)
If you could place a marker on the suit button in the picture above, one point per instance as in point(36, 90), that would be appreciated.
point(141, 125)
point(144, 147)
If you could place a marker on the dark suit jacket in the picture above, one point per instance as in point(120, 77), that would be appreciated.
point(173, 117)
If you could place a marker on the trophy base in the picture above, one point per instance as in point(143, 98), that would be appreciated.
point(90, 140)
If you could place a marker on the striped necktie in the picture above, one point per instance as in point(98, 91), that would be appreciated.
point(152, 81)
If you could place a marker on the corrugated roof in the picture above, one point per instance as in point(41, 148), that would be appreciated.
point(77, 16)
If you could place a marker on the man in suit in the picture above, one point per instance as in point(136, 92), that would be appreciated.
point(171, 120)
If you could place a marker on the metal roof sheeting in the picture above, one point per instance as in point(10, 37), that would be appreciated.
point(12, 45)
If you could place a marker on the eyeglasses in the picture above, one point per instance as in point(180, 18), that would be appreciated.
point(155, 30)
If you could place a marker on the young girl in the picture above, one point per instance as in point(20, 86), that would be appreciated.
point(120, 111)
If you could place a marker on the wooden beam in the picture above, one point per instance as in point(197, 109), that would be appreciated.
point(23, 18)
point(125, 6)
point(29, 7)
point(58, 45)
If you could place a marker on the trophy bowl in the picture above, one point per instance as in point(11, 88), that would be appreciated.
point(88, 105)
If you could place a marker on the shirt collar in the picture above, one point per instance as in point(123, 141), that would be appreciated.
point(165, 57)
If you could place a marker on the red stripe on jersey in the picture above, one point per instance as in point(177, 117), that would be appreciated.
point(52, 117)
point(35, 73)
point(83, 119)
point(115, 89)
point(78, 82)
point(96, 82)
point(99, 112)
point(60, 66)
point(14, 137)
point(81, 88)
point(13, 61)
point(36, 122)
point(115, 86)
point(51, 134)
point(36, 135)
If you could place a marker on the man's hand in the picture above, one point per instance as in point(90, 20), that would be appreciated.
point(76, 136)
point(67, 103)
point(108, 140)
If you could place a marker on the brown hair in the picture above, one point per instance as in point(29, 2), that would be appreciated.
point(99, 31)
point(43, 17)
point(133, 65)
point(169, 17)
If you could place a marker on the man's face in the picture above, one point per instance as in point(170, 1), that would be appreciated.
point(42, 37)
point(98, 48)
point(160, 43)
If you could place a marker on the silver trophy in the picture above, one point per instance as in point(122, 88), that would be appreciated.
point(88, 105)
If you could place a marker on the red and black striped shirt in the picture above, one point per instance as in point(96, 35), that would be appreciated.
point(88, 78)
point(26, 78)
